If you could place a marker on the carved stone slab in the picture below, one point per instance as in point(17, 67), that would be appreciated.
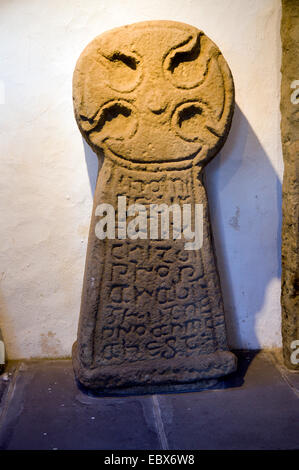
point(157, 98)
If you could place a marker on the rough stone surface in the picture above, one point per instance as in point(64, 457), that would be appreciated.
point(157, 98)
point(290, 145)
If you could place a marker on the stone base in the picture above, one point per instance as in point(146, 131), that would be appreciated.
point(152, 376)
point(198, 386)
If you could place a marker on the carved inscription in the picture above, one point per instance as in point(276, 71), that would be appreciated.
point(155, 300)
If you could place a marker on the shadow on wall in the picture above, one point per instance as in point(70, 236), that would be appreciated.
point(93, 165)
point(245, 208)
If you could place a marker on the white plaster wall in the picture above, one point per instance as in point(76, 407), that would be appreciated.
point(47, 180)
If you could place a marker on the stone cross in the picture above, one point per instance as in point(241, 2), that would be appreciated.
point(157, 99)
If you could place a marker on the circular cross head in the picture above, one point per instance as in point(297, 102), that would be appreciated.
point(154, 93)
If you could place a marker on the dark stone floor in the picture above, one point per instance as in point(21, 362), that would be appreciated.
point(41, 407)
